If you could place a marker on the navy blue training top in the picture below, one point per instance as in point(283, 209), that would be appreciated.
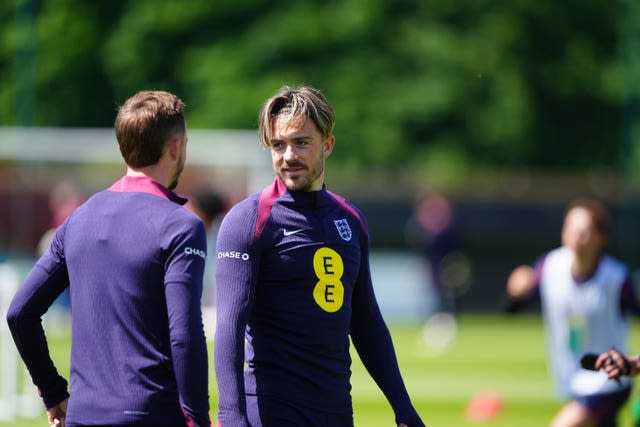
point(133, 259)
point(293, 276)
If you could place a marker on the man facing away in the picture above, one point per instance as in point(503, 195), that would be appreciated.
point(293, 277)
point(133, 259)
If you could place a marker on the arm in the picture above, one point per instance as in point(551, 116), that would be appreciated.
point(373, 343)
point(521, 280)
point(43, 285)
point(523, 286)
point(236, 277)
point(183, 290)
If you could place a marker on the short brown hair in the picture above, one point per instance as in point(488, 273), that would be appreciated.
point(146, 122)
point(599, 214)
point(295, 103)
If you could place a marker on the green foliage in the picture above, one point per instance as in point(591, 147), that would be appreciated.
point(488, 84)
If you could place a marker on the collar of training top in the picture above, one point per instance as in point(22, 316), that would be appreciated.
point(144, 184)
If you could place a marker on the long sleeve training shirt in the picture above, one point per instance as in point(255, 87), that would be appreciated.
point(133, 259)
point(293, 278)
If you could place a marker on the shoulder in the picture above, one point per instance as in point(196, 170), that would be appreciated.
point(95, 201)
point(613, 261)
point(348, 206)
point(553, 263)
point(240, 220)
point(560, 254)
point(614, 266)
point(179, 222)
point(237, 229)
point(242, 210)
point(185, 215)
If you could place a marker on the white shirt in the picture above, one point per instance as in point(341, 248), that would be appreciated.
point(582, 317)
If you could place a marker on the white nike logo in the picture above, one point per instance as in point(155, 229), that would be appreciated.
point(289, 233)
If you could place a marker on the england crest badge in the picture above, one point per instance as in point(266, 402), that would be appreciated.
point(343, 228)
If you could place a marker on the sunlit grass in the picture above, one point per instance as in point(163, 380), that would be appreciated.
point(491, 353)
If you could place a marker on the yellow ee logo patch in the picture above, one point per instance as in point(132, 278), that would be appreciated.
point(329, 291)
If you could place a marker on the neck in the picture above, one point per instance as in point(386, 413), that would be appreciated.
point(318, 184)
point(154, 172)
point(584, 266)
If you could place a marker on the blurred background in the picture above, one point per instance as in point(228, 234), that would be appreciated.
point(502, 111)
point(508, 109)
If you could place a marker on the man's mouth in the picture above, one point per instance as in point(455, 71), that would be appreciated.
point(293, 168)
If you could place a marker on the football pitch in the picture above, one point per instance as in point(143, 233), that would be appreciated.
point(491, 355)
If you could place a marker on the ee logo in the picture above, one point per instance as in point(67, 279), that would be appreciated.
point(329, 291)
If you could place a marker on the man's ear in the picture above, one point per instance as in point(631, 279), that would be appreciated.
point(329, 142)
point(173, 149)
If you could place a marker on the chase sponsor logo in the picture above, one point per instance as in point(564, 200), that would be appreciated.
point(233, 255)
point(195, 251)
point(134, 412)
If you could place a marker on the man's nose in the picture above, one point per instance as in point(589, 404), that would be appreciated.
point(290, 153)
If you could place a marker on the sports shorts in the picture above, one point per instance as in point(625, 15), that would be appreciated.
point(605, 407)
point(268, 412)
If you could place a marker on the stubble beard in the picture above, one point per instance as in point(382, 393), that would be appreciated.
point(303, 181)
point(176, 176)
point(297, 184)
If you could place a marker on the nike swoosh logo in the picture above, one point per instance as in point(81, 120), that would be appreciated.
point(289, 233)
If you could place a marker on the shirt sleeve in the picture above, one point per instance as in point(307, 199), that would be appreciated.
point(185, 262)
point(236, 276)
point(533, 294)
point(374, 345)
point(46, 281)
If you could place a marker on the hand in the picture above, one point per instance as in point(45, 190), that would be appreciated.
point(402, 425)
point(520, 281)
point(615, 364)
point(57, 414)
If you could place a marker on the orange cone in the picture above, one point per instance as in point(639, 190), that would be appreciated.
point(484, 406)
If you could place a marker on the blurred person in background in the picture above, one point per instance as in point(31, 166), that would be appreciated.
point(209, 205)
point(133, 259)
point(587, 298)
point(293, 277)
point(431, 232)
point(64, 198)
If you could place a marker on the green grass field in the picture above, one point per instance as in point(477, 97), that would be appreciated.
point(492, 353)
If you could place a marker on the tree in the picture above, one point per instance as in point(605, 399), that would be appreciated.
point(434, 84)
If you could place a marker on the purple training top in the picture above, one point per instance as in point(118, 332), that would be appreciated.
point(133, 259)
point(293, 277)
